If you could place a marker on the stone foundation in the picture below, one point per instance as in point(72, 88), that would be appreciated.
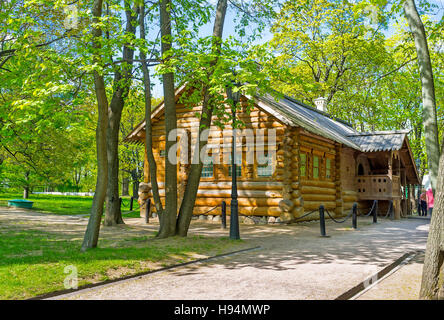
point(144, 190)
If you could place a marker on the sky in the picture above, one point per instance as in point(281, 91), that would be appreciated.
point(229, 29)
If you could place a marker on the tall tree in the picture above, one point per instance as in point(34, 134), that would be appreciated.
point(168, 217)
point(433, 262)
point(148, 126)
point(91, 236)
point(187, 206)
point(122, 83)
point(428, 88)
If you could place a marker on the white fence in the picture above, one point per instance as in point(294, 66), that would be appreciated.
point(67, 193)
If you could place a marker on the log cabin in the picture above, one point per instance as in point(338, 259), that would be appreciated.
point(316, 159)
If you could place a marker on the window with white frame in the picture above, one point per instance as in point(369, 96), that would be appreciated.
point(208, 167)
point(264, 165)
point(328, 168)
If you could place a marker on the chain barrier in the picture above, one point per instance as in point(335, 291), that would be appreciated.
point(298, 218)
point(389, 209)
point(346, 218)
point(371, 210)
point(127, 204)
point(211, 209)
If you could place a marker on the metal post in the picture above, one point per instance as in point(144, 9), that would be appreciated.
point(391, 210)
point(234, 214)
point(147, 210)
point(131, 204)
point(355, 216)
point(375, 212)
point(322, 221)
point(224, 215)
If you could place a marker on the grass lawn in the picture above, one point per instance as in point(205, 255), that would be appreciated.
point(65, 204)
point(32, 262)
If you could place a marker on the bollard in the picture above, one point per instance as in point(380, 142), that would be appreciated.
point(147, 210)
point(322, 220)
point(391, 210)
point(131, 203)
point(120, 205)
point(355, 216)
point(224, 215)
point(375, 213)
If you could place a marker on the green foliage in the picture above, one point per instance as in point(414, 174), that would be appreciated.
point(336, 49)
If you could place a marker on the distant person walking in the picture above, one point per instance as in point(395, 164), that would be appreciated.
point(423, 200)
point(430, 201)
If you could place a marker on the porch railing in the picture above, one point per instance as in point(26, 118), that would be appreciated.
point(377, 187)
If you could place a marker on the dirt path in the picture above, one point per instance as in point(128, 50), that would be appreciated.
point(293, 262)
point(403, 284)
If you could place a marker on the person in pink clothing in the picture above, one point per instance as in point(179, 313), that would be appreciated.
point(430, 200)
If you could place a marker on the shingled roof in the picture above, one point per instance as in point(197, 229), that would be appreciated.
point(379, 140)
point(295, 113)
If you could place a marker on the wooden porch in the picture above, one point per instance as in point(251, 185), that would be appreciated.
point(378, 187)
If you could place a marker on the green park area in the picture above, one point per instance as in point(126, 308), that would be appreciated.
point(263, 114)
point(67, 205)
point(34, 254)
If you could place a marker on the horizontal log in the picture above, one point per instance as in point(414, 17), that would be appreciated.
point(319, 197)
point(349, 192)
point(304, 138)
point(312, 205)
point(243, 202)
point(247, 211)
point(318, 183)
point(307, 145)
point(349, 198)
point(316, 190)
point(260, 211)
point(241, 193)
point(251, 185)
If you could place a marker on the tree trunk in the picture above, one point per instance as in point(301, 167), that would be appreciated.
point(26, 188)
point(432, 272)
point(189, 198)
point(135, 182)
point(148, 126)
point(92, 230)
point(428, 89)
point(26, 192)
point(168, 219)
point(435, 246)
point(122, 82)
point(112, 214)
point(125, 186)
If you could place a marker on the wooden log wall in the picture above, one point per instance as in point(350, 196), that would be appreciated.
point(257, 195)
point(338, 183)
point(348, 180)
point(296, 196)
point(315, 191)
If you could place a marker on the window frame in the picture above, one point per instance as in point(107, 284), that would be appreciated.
point(270, 163)
point(210, 156)
point(318, 167)
point(305, 166)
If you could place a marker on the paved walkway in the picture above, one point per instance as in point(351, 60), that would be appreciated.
point(403, 284)
point(293, 263)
